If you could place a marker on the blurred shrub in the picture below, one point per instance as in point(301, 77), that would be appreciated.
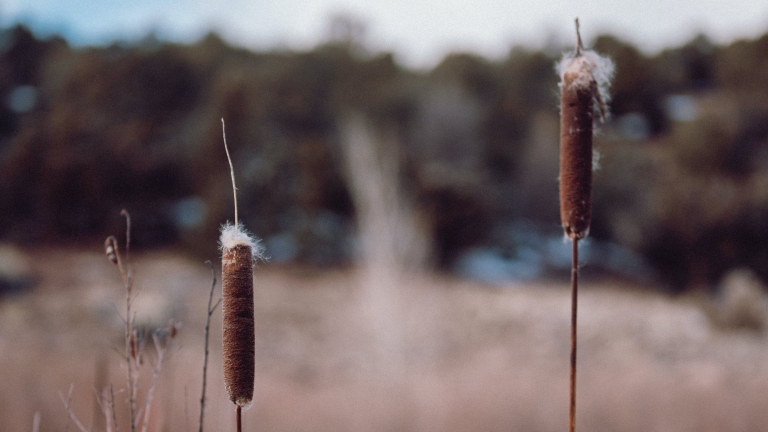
point(741, 302)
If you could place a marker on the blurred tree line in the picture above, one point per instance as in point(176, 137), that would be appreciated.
point(85, 132)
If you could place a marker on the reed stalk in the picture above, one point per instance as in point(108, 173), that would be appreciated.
point(583, 96)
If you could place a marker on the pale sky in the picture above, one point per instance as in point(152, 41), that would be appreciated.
point(420, 32)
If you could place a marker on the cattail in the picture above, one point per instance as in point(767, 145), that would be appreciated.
point(583, 94)
point(239, 250)
point(237, 258)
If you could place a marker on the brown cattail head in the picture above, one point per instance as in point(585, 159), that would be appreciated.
point(583, 94)
point(238, 252)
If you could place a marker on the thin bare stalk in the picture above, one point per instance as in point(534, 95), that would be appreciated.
point(131, 339)
point(109, 410)
point(71, 413)
point(124, 212)
point(112, 406)
point(36, 422)
point(231, 169)
point(155, 375)
point(106, 406)
point(211, 309)
point(132, 343)
point(574, 310)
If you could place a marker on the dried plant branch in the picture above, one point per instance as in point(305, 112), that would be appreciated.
point(106, 401)
point(111, 417)
point(112, 406)
point(127, 216)
point(186, 408)
point(36, 422)
point(231, 169)
point(132, 344)
point(101, 402)
point(160, 347)
point(132, 351)
point(211, 310)
point(71, 413)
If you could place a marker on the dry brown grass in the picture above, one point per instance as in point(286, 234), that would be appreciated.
point(476, 358)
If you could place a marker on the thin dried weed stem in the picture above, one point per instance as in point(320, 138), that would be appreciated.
point(231, 168)
point(160, 338)
point(211, 310)
point(133, 349)
point(36, 422)
point(70, 413)
point(132, 341)
point(106, 401)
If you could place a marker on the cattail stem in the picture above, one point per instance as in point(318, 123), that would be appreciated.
point(211, 309)
point(574, 313)
point(239, 417)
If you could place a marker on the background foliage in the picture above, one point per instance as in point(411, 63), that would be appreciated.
point(683, 183)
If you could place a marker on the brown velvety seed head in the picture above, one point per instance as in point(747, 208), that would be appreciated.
point(239, 336)
point(576, 118)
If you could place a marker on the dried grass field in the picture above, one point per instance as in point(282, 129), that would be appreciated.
point(429, 353)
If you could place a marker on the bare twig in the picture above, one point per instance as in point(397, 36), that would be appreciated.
point(71, 413)
point(36, 422)
point(112, 406)
point(231, 169)
point(132, 343)
point(186, 409)
point(107, 407)
point(133, 351)
point(147, 408)
point(101, 404)
point(109, 411)
point(211, 309)
point(127, 242)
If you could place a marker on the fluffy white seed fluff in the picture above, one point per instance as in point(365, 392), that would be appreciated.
point(235, 235)
point(589, 65)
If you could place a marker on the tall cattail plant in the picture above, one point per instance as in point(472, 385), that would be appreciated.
point(584, 79)
point(239, 250)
